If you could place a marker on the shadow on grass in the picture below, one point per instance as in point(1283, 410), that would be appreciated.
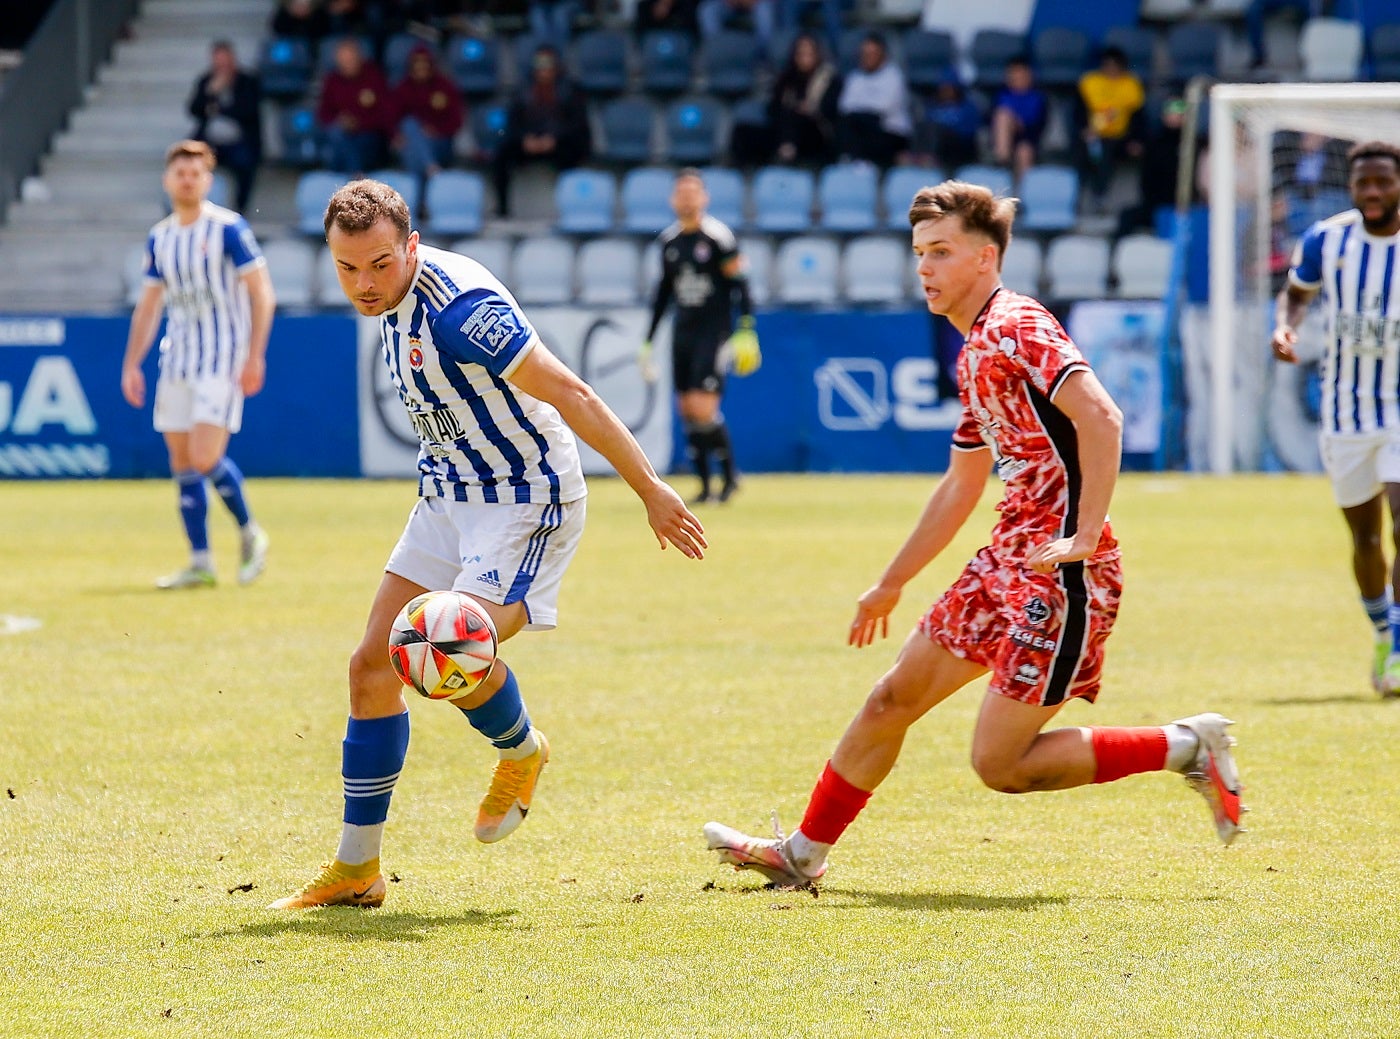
point(366, 925)
point(912, 901)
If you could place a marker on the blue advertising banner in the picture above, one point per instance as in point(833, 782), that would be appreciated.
point(840, 391)
point(62, 413)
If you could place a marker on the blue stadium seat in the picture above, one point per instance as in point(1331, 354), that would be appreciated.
point(848, 48)
point(995, 178)
point(291, 263)
point(600, 62)
point(455, 200)
point(1060, 56)
point(725, 187)
point(666, 61)
point(489, 128)
point(990, 51)
point(646, 200)
point(730, 62)
point(314, 190)
point(474, 65)
point(491, 253)
point(543, 270)
point(584, 200)
point(846, 196)
point(692, 130)
point(1077, 267)
point(782, 199)
point(1194, 50)
point(1385, 52)
point(1020, 266)
point(758, 261)
point(1050, 199)
point(1138, 43)
point(405, 183)
point(876, 269)
point(627, 129)
point(901, 184)
point(808, 269)
point(609, 272)
point(929, 56)
point(284, 68)
point(300, 136)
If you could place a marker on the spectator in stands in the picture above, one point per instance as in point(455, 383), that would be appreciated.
point(1157, 178)
point(429, 113)
point(947, 132)
point(756, 16)
point(1259, 11)
point(674, 15)
point(304, 19)
point(546, 123)
point(802, 109)
point(227, 110)
point(1019, 114)
point(873, 124)
point(354, 110)
point(1111, 97)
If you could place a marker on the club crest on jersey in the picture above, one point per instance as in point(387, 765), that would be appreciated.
point(1007, 346)
point(491, 326)
point(702, 252)
point(1037, 613)
point(415, 355)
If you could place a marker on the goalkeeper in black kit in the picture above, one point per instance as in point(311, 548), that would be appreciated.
point(703, 273)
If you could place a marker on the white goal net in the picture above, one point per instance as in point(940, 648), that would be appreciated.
point(1276, 164)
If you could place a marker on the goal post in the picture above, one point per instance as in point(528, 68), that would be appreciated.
point(1248, 199)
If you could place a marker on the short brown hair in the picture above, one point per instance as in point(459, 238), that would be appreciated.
point(191, 149)
point(1373, 150)
point(980, 211)
point(361, 204)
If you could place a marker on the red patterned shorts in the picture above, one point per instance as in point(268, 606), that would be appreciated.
point(1041, 635)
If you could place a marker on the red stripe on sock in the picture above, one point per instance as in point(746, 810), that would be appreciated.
point(1123, 752)
point(834, 805)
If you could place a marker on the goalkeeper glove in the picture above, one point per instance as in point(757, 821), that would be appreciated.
point(743, 347)
point(646, 363)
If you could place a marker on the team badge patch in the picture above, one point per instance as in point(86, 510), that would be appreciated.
point(492, 326)
point(702, 252)
point(1037, 613)
point(1007, 346)
point(415, 358)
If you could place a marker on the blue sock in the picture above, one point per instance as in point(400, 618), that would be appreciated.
point(194, 508)
point(371, 760)
point(1395, 629)
point(227, 479)
point(502, 719)
point(1378, 609)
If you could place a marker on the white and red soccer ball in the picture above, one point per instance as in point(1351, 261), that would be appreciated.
point(442, 644)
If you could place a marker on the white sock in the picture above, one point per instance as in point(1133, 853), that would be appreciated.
point(360, 844)
point(249, 532)
point(202, 560)
point(1182, 745)
point(809, 855)
point(521, 750)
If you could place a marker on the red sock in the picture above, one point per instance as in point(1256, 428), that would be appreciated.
point(834, 805)
point(1123, 752)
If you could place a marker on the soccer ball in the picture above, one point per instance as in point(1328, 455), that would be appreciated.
point(442, 644)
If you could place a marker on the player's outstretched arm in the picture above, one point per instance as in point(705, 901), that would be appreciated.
point(262, 301)
point(1098, 426)
point(947, 510)
point(145, 319)
point(1289, 310)
point(544, 376)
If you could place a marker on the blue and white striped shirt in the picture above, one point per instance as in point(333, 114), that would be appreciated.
point(1356, 272)
point(208, 315)
point(451, 345)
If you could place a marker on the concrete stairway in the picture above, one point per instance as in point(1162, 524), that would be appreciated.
point(65, 245)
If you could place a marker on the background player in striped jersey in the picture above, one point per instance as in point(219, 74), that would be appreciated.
point(1351, 260)
point(204, 269)
point(702, 271)
point(1036, 605)
point(500, 510)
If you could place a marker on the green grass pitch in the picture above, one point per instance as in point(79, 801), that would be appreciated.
point(170, 763)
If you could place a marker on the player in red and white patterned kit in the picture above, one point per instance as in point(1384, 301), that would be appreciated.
point(1036, 605)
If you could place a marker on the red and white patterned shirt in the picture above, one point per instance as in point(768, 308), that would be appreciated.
point(1016, 357)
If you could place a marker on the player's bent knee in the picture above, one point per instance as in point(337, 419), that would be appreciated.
point(1000, 775)
point(373, 683)
point(888, 705)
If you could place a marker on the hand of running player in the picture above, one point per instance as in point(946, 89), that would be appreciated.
point(254, 372)
point(873, 611)
point(646, 362)
point(134, 386)
point(672, 522)
point(1043, 559)
point(1283, 342)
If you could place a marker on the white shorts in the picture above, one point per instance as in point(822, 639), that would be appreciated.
point(1360, 464)
point(181, 405)
point(500, 553)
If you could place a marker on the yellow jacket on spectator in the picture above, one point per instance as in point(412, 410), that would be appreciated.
point(1111, 101)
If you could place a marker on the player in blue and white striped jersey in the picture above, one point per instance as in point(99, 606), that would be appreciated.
point(1353, 261)
point(205, 271)
point(499, 516)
